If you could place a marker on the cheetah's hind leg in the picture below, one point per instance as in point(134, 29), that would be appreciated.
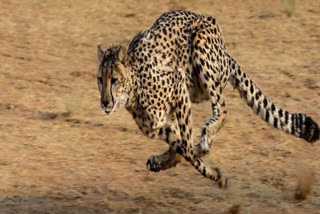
point(212, 78)
point(211, 127)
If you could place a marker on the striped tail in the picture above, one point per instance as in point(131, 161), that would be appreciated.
point(297, 124)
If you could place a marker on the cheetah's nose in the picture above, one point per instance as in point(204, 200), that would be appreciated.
point(105, 103)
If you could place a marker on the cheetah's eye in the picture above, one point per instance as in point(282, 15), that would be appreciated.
point(113, 80)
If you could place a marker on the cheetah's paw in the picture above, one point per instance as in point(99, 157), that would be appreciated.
point(153, 164)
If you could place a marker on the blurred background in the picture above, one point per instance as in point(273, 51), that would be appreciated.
point(59, 153)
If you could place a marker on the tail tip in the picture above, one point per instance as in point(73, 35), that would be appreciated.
point(312, 130)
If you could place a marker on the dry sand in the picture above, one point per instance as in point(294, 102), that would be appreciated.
point(86, 162)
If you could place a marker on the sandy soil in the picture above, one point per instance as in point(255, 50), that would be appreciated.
point(86, 162)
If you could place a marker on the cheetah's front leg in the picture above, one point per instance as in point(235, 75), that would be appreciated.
point(164, 161)
point(167, 133)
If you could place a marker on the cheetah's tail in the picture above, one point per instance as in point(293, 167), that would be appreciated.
point(297, 124)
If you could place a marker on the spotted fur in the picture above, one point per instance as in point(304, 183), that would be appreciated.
point(182, 59)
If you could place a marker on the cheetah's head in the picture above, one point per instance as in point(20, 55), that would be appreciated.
point(113, 78)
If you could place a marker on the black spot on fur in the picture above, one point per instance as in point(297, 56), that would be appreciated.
point(204, 132)
point(267, 116)
point(280, 113)
point(265, 102)
point(286, 115)
point(258, 94)
point(273, 107)
point(179, 150)
point(204, 171)
point(167, 131)
point(246, 83)
point(251, 89)
point(311, 132)
point(160, 131)
point(275, 122)
point(165, 31)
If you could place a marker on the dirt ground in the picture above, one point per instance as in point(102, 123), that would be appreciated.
point(86, 162)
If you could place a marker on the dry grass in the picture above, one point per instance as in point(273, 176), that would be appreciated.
point(304, 183)
point(235, 209)
point(291, 6)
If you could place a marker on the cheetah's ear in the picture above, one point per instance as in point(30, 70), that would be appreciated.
point(100, 53)
point(122, 54)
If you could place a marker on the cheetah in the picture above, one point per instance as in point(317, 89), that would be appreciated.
point(180, 60)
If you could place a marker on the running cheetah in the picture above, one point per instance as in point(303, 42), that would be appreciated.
point(181, 60)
